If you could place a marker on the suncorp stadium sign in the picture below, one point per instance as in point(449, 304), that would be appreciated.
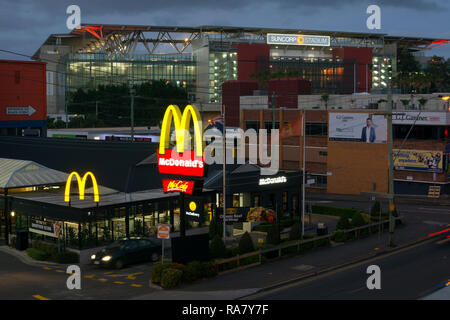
point(298, 40)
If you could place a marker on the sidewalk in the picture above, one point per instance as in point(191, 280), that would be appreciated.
point(244, 282)
point(444, 200)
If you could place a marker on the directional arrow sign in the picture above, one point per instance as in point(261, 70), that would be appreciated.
point(20, 111)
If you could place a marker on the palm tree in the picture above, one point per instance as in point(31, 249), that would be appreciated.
point(422, 102)
point(325, 97)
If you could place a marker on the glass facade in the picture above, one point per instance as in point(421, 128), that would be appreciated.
point(88, 71)
point(222, 67)
point(325, 74)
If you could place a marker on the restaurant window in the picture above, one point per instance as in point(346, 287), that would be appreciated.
point(256, 201)
point(320, 181)
point(238, 200)
point(285, 200)
point(268, 125)
point(252, 125)
point(317, 129)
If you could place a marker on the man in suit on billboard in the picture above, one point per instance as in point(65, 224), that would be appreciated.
point(368, 132)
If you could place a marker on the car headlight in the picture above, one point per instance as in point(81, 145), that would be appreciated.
point(106, 258)
point(93, 257)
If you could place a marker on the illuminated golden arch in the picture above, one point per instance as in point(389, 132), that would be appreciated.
point(181, 123)
point(81, 185)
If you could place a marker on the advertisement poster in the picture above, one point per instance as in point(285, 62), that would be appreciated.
point(358, 127)
point(418, 160)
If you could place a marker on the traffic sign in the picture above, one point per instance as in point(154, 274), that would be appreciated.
point(20, 111)
point(163, 231)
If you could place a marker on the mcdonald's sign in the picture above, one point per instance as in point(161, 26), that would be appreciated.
point(81, 185)
point(178, 186)
point(179, 161)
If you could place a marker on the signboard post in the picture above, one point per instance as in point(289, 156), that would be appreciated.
point(163, 233)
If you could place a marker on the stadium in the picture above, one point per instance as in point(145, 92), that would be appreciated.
point(202, 58)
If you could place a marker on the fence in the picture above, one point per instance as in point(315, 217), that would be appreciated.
point(240, 261)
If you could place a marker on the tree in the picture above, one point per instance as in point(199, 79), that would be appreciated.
point(217, 248)
point(246, 244)
point(325, 98)
point(422, 102)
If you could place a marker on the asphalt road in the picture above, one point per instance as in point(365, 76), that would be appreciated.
point(22, 281)
point(410, 274)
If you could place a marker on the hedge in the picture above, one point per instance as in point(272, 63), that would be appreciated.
point(66, 257)
point(37, 254)
point(333, 211)
point(170, 278)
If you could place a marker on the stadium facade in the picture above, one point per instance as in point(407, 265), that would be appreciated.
point(201, 59)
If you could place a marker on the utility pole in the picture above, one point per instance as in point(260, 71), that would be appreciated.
point(132, 93)
point(390, 167)
point(303, 171)
point(224, 174)
point(273, 110)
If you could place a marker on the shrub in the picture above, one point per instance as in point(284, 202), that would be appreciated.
point(333, 211)
point(157, 272)
point(37, 254)
point(246, 244)
point(50, 249)
point(170, 278)
point(66, 257)
point(343, 223)
point(358, 220)
point(217, 248)
point(375, 210)
point(273, 235)
point(263, 227)
point(215, 228)
point(209, 269)
point(340, 236)
point(192, 271)
point(309, 236)
point(296, 232)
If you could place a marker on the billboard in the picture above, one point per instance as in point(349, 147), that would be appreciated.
point(421, 118)
point(298, 40)
point(418, 160)
point(357, 127)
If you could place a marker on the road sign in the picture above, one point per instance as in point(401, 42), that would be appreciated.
point(20, 110)
point(163, 231)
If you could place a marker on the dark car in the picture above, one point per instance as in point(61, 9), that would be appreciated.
point(127, 251)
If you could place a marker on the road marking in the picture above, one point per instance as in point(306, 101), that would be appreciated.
point(303, 267)
point(59, 271)
point(38, 297)
point(131, 276)
point(102, 279)
point(47, 268)
point(137, 285)
point(91, 276)
point(119, 282)
point(330, 273)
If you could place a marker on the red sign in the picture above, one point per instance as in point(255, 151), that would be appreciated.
point(185, 164)
point(163, 231)
point(178, 186)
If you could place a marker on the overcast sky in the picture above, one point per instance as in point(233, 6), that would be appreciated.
point(25, 25)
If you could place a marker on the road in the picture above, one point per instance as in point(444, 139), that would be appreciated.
point(22, 281)
point(408, 274)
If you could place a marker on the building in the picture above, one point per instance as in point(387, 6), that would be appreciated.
point(337, 160)
point(23, 94)
point(202, 58)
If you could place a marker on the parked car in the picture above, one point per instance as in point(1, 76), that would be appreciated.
point(127, 251)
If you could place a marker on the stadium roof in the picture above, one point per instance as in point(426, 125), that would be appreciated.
point(91, 36)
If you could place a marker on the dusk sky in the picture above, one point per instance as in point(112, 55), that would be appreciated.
point(26, 25)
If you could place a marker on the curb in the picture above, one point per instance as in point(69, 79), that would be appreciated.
point(29, 261)
point(327, 269)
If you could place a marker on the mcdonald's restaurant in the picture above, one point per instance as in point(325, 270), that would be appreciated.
point(85, 194)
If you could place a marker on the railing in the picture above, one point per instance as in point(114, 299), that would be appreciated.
point(296, 244)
